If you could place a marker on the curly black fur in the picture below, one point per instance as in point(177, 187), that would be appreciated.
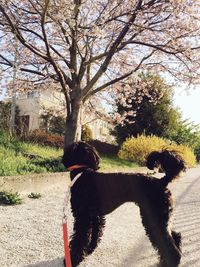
point(96, 194)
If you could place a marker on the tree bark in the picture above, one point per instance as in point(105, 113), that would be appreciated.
point(74, 124)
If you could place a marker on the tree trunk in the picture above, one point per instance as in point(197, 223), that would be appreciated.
point(74, 124)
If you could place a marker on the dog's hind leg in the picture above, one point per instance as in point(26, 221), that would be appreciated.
point(162, 241)
point(80, 238)
point(169, 253)
point(98, 223)
point(177, 239)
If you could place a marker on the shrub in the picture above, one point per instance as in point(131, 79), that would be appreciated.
point(104, 148)
point(86, 134)
point(197, 148)
point(197, 153)
point(37, 136)
point(54, 141)
point(138, 148)
point(9, 198)
point(34, 195)
point(186, 152)
point(43, 138)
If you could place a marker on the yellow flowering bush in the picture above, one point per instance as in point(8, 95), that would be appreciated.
point(185, 152)
point(138, 148)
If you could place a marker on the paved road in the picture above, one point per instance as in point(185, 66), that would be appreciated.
point(187, 216)
point(31, 236)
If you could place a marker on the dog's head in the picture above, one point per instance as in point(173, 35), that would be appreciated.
point(81, 154)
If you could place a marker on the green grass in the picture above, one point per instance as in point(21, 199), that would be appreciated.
point(14, 158)
point(14, 162)
point(41, 151)
point(116, 164)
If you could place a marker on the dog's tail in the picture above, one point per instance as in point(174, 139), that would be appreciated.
point(169, 161)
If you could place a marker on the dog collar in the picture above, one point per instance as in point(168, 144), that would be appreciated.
point(76, 167)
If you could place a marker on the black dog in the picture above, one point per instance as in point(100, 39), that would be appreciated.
point(96, 194)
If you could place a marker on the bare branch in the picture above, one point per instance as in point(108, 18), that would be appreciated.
point(113, 48)
point(123, 77)
point(11, 64)
point(43, 29)
point(15, 30)
point(100, 88)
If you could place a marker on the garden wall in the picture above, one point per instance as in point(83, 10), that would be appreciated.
point(38, 183)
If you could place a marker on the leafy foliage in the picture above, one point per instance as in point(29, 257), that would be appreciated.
point(197, 152)
point(156, 117)
point(5, 114)
point(52, 123)
point(5, 110)
point(187, 133)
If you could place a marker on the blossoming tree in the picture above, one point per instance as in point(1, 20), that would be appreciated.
point(88, 46)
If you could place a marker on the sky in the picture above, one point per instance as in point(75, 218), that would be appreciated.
point(188, 103)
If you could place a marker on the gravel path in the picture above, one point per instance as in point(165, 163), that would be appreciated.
point(31, 233)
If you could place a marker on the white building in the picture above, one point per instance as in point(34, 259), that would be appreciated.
point(32, 105)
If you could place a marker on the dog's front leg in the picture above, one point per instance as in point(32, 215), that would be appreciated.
point(97, 225)
point(80, 238)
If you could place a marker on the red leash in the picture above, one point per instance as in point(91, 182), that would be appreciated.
point(68, 262)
